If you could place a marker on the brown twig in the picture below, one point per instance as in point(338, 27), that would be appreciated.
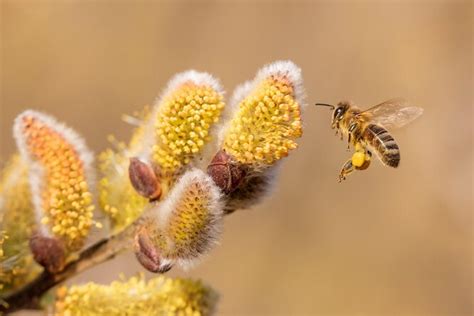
point(28, 297)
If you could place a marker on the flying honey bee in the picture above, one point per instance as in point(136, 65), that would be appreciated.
point(367, 131)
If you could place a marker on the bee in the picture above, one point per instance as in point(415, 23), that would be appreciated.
point(367, 131)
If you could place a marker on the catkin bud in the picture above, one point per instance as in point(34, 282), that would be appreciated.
point(148, 255)
point(144, 179)
point(48, 252)
point(226, 173)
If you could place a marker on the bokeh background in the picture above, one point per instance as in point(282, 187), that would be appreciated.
point(385, 242)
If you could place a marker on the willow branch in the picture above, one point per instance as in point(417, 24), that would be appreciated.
point(28, 297)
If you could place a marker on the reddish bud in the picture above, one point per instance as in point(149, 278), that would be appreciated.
point(48, 252)
point(147, 254)
point(226, 173)
point(144, 179)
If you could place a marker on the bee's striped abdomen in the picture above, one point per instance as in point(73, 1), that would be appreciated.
point(384, 145)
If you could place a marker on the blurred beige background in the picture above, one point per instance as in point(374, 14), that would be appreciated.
point(385, 242)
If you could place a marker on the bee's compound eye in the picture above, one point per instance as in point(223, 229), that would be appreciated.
point(338, 113)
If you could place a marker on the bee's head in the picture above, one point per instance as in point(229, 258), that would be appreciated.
point(338, 111)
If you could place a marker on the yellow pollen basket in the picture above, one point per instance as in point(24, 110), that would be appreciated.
point(182, 125)
point(66, 202)
point(358, 159)
point(266, 125)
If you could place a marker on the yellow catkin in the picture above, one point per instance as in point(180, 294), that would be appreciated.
point(191, 216)
point(117, 197)
point(189, 224)
point(3, 273)
point(17, 266)
point(65, 198)
point(182, 125)
point(158, 296)
point(266, 125)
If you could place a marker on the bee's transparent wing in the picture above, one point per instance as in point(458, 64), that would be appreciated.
point(393, 113)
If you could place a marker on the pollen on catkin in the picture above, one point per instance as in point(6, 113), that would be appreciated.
point(188, 222)
point(136, 296)
point(267, 118)
point(60, 176)
point(3, 278)
point(17, 266)
point(183, 120)
point(117, 197)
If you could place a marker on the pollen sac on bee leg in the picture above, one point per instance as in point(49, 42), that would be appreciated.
point(226, 173)
point(360, 160)
point(148, 255)
point(364, 166)
point(143, 179)
point(48, 252)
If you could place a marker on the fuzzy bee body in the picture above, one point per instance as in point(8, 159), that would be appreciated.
point(382, 143)
point(366, 132)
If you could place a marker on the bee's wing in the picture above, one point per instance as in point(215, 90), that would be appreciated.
point(393, 113)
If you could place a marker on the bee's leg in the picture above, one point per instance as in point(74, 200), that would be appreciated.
point(353, 135)
point(347, 168)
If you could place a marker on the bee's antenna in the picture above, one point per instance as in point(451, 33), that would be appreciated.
point(324, 104)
